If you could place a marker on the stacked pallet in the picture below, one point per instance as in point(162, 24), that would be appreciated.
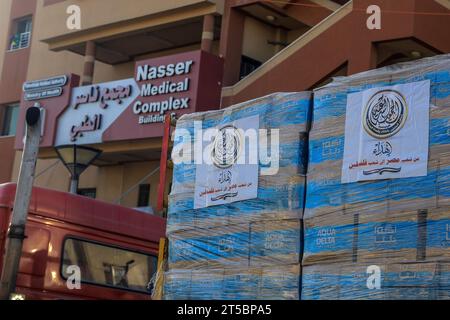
point(247, 249)
point(398, 228)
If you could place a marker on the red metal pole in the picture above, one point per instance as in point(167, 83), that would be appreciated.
point(163, 163)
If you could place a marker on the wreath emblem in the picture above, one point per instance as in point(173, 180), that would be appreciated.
point(385, 114)
point(227, 146)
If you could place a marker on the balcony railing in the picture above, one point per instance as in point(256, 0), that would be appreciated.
point(20, 41)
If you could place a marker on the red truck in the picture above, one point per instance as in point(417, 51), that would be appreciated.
point(114, 248)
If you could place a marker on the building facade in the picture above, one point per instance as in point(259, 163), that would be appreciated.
point(228, 51)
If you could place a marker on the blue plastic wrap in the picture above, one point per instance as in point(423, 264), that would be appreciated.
point(280, 282)
point(280, 196)
point(401, 225)
point(398, 281)
point(249, 249)
point(255, 244)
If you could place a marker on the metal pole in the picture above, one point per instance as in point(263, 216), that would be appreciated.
point(74, 185)
point(16, 231)
point(74, 177)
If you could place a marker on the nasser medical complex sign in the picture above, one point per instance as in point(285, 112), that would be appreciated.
point(126, 109)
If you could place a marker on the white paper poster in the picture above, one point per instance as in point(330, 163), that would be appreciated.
point(229, 171)
point(386, 133)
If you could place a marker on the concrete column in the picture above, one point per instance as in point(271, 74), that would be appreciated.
point(231, 40)
point(89, 63)
point(280, 39)
point(208, 33)
point(363, 58)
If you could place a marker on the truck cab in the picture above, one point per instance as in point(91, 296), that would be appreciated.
point(113, 250)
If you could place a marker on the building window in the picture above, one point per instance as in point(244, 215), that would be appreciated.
point(144, 196)
point(9, 123)
point(21, 34)
point(248, 65)
point(88, 192)
point(108, 266)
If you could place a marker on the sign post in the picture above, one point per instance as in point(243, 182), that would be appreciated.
point(16, 231)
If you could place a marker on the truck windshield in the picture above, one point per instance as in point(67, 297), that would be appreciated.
point(108, 266)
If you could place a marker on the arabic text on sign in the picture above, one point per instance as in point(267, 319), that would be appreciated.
point(104, 95)
point(87, 125)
